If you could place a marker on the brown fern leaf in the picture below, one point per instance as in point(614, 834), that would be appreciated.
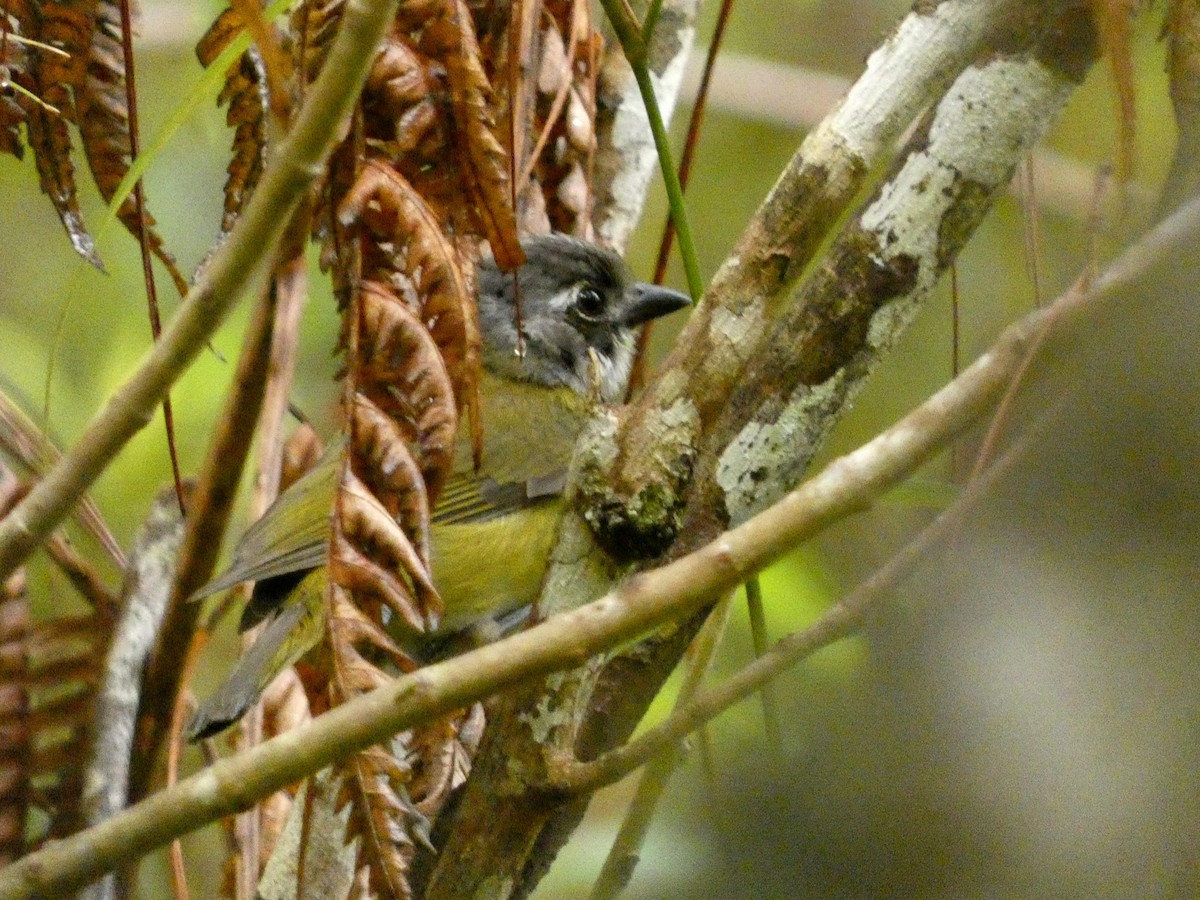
point(245, 91)
point(68, 25)
point(16, 733)
point(391, 471)
point(406, 90)
point(481, 157)
point(402, 370)
point(51, 145)
point(381, 818)
point(415, 259)
point(50, 78)
point(442, 751)
point(103, 119)
point(372, 782)
point(374, 552)
point(63, 661)
point(314, 25)
point(19, 61)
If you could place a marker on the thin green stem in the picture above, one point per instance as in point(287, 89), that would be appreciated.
point(758, 634)
point(683, 230)
point(652, 15)
point(629, 33)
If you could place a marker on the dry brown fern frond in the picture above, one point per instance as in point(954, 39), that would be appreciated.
point(102, 110)
point(245, 91)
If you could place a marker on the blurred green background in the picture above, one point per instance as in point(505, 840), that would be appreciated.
point(875, 790)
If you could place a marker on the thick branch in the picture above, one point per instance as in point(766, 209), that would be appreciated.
point(909, 71)
point(245, 254)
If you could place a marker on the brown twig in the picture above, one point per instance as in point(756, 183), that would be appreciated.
point(143, 233)
point(211, 508)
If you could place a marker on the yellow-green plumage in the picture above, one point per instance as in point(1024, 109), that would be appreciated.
point(492, 530)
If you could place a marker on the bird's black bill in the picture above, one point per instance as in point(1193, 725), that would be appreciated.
point(651, 301)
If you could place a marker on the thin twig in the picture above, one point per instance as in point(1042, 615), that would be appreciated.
point(627, 845)
point(143, 233)
point(212, 504)
point(758, 634)
point(289, 284)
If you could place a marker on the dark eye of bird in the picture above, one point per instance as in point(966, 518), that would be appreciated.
point(589, 302)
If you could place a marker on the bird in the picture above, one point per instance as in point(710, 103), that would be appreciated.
point(494, 525)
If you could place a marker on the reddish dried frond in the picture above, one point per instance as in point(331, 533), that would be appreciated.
point(442, 751)
point(314, 25)
point(17, 21)
point(61, 661)
point(402, 369)
point(70, 26)
point(481, 157)
point(417, 261)
point(103, 118)
point(51, 145)
point(392, 473)
point(16, 733)
point(375, 552)
point(245, 91)
point(406, 90)
point(381, 819)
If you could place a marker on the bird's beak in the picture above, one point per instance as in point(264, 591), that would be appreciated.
point(650, 301)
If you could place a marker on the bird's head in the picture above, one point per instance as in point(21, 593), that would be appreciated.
point(575, 297)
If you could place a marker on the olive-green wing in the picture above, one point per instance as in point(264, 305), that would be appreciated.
point(470, 499)
point(292, 534)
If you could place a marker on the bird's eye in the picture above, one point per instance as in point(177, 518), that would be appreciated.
point(589, 302)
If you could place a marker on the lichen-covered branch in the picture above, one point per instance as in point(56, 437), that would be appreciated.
point(851, 310)
point(910, 70)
